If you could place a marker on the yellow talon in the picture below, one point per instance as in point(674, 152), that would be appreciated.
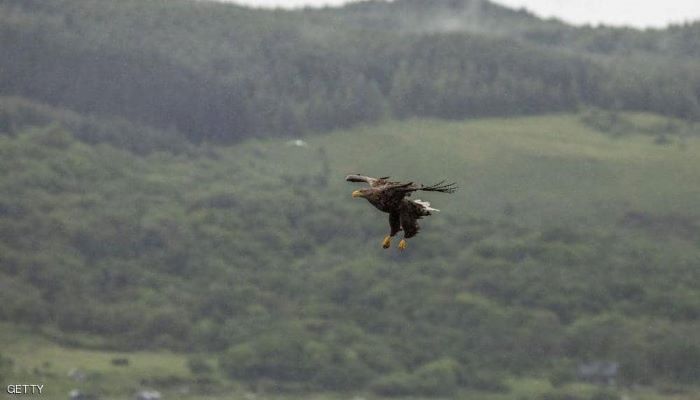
point(403, 244)
point(387, 242)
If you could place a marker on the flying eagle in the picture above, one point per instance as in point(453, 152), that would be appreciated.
point(390, 197)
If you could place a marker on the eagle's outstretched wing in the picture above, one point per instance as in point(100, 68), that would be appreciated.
point(403, 187)
point(400, 190)
point(373, 182)
point(438, 187)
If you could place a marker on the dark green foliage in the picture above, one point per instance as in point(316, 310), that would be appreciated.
point(293, 355)
point(398, 384)
point(492, 19)
point(123, 227)
point(678, 356)
point(600, 394)
point(120, 362)
point(283, 356)
point(17, 114)
point(605, 395)
point(561, 395)
point(440, 377)
point(221, 73)
point(561, 375)
point(127, 248)
point(610, 122)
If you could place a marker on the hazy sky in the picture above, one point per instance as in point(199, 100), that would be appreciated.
point(639, 13)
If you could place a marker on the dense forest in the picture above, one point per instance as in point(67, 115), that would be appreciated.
point(150, 198)
point(221, 72)
point(257, 253)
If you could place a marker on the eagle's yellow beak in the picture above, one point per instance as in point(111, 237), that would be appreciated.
point(357, 193)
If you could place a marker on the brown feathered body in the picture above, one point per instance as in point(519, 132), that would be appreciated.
point(391, 197)
point(403, 213)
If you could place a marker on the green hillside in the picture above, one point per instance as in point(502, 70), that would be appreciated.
point(574, 237)
point(173, 213)
point(224, 73)
point(552, 169)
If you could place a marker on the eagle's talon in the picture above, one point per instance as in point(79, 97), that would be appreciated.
point(387, 242)
point(403, 244)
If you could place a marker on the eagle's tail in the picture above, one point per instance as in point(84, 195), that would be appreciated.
point(425, 205)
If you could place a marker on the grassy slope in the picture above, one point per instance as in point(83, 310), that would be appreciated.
point(547, 168)
point(39, 361)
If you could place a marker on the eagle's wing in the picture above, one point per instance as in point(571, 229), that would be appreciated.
point(438, 187)
point(373, 182)
point(396, 190)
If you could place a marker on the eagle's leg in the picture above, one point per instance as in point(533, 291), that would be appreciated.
point(403, 244)
point(395, 225)
point(387, 242)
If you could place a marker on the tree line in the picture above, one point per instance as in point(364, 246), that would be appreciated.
point(222, 73)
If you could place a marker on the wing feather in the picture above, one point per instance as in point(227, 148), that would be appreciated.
point(373, 182)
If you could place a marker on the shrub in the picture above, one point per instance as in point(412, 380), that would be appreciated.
point(198, 365)
point(120, 362)
point(560, 395)
point(274, 356)
point(605, 394)
point(394, 385)
point(561, 376)
point(439, 377)
point(436, 378)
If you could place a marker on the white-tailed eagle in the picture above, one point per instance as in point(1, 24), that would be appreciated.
point(391, 197)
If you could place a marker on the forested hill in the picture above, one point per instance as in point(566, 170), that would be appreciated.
point(125, 225)
point(487, 18)
point(420, 16)
point(220, 72)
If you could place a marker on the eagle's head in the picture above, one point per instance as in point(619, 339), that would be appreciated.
point(361, 192)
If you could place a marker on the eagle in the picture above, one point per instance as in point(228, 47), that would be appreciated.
point(391, 197)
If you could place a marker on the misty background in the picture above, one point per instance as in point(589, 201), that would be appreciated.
point(616, 12)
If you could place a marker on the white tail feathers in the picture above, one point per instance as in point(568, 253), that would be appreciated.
point(425, 205)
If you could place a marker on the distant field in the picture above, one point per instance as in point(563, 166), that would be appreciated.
point(38, 361)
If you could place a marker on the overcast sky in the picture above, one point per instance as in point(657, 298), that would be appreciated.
point(639, 13)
